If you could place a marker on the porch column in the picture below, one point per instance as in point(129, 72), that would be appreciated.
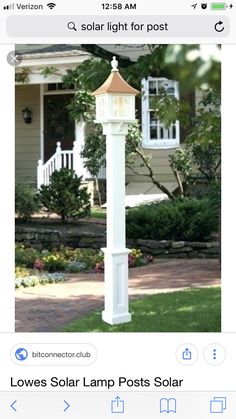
point(78, 145)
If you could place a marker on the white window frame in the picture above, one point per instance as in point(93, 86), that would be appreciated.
point(166, 142)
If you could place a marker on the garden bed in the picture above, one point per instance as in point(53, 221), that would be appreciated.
point(37, 267)
point(32, 277)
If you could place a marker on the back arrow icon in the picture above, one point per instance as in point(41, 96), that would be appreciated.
point(12, 405)
point(67, 405)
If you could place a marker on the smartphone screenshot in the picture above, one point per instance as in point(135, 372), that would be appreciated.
point(118, 214)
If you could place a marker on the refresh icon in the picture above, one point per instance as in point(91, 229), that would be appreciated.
point(219, 26)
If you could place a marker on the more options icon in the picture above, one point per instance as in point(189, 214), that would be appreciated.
point(214, 354)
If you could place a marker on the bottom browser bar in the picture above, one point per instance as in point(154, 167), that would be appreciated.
point(182, 405)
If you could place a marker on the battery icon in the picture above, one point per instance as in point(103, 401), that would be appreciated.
point(218, 6)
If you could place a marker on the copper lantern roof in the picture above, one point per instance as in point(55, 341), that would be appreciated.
point(115, 83)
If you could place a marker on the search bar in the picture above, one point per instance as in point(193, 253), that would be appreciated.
point(118, 26)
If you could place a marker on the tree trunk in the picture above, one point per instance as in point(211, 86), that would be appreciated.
point(98, 191)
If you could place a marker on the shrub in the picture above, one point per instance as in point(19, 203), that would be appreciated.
point(65, 196)
point(25, 256)
point(75, 267)
point(25, 201)
point(32, 278)
point(183, 219)
point(54, 262)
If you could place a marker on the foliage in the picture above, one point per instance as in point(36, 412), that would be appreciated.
point(82, 109)
point(181, 164)
point(192, 310)
point(52, 262)
point(168, 109)
point(214, 194)
point(25, 201)
point(94, 150)
point(207, 158)
point(75, 267)
point(89, 74)
point(207, 121)
point(182, 219)
point(195, 65)
point(31, 278)
point(93, 72)
point(135, 153)
point(21, 272)
point(25, 256)
point(23, 75)
point(133, 141)
point(82, 106)
point(48, 71)
point(202, 144)
point(68, 260)
point(65, 196)
point(205, 124)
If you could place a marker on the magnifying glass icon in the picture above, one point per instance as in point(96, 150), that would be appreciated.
point(71, 25)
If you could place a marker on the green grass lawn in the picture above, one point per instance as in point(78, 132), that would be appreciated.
point(193, 310)
point(97, 212)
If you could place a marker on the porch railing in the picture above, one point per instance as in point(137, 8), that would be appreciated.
point(69, 159)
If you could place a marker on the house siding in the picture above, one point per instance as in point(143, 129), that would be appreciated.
point(160, 165)
point(159, 159)
point(27, 144)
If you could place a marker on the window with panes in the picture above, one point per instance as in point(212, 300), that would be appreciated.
point(155, 134)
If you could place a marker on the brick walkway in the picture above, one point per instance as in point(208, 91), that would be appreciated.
point(47, 308)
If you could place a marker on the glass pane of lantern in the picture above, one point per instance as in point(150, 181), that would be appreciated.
point(101, 107)
point(121, 107)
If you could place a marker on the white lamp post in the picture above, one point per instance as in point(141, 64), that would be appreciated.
point(115, 110)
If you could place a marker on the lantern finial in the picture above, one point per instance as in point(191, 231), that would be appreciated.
point(114, 64)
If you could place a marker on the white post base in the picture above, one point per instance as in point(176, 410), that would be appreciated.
point(108, 318)
point(116, 287)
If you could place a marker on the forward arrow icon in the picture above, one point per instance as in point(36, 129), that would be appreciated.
point(67, 405)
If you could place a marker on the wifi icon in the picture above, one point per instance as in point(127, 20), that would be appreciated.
point(51, 5)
